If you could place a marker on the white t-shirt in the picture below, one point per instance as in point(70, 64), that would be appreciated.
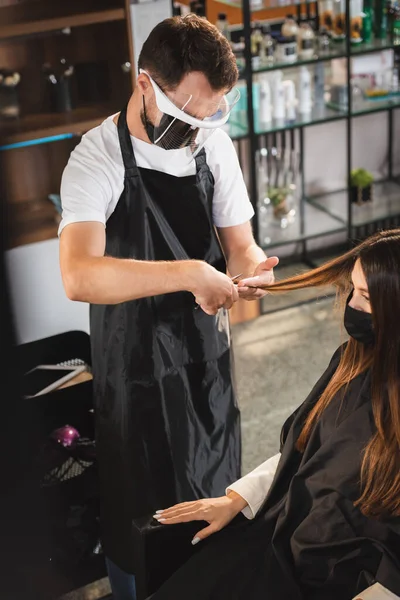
point(93, 179)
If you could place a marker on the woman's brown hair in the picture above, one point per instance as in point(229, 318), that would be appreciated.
point(379, 256)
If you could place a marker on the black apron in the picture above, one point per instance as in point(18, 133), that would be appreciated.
point(308, 541)
point(168, 425)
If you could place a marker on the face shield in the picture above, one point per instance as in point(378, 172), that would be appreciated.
point(184, 120)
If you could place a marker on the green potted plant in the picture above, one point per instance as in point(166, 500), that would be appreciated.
point(278, 197)
point(361, 186)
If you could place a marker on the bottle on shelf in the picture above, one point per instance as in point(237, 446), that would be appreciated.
point(267, 51)
point(396, 29)
point(380, 17)
point(222, 24)
point(265, 103)
point(324, 40)
point(176, 9)
point(339, 20)
point(286, 49)
point(278, 96)
point(367, 21)
point(289, 27)
point(305, 92)
point(290, 100)
point(306, 41)
point(319, 84)
point(356, 21)
point(395, 82)
point(256, 41)
point(238, 50)
point(326, 14)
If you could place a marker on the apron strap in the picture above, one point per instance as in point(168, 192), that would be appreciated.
point(125, 143)
point(200, 159)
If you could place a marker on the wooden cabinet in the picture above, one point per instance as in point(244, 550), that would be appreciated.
point(94, 36)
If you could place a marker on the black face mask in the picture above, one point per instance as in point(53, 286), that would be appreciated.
point(178, 136)
point(358, 324)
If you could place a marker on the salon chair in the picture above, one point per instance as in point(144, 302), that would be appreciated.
point(50, 516)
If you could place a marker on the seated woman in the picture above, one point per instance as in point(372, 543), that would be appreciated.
point(322, 516)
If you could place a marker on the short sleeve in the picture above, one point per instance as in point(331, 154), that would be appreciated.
point(231, 204)
point(86, 192)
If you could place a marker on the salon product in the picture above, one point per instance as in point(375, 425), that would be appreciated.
point(356, 21)
point(289, 27)
point(323, 40)
point(265, 106)
point(396, 30)
point(238, 50)
point(267, 47)
point(395, 80)
point(222, 24)
point(326, 14)
point(9, 99)
point(290, 100)
point(367, 21)
point(278, 96)
point(286, 49)
point(176, 9)
point(339, 20)
point(380, 28)
point(305, 99)
point(306, 41)
point(256, 96)
point(340, 96)
point(256, 41)
point(58, 78)
point(319, 84)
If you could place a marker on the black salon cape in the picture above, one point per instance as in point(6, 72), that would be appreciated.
point(308, 541)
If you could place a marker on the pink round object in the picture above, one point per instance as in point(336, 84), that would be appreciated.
point(67, 436)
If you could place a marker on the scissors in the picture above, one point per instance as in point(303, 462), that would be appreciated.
point(234, 279)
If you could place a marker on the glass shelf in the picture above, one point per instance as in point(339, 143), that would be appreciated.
point(373, 46)
point(319, 114)
point(266, 4)
point(317, 223)
point(337, 50)
point(334, 52)
point(385, 204)
point(366, 107)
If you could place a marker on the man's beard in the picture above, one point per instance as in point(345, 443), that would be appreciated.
point(180, 135)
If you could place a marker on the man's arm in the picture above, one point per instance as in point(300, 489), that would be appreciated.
point(242, 253)
point(245, 256)
point(89, 276)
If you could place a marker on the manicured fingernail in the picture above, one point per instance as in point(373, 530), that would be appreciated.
point(195, 541)
point(161, 520)
point(159, 511)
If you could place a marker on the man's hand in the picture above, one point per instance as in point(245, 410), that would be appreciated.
point(263, 275)
point(218, 512)
point(211, 288)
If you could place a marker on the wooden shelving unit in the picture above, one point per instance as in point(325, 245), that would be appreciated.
point(94, 35)
point(11, 30)
point(39, 125)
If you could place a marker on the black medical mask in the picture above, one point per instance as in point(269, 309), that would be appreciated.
point(358, 324)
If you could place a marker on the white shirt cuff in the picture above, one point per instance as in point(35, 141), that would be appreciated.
point(254, 486)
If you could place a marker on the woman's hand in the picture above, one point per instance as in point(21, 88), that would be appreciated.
point(218, 512)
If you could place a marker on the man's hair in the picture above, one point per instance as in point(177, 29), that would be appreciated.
point(180, 45)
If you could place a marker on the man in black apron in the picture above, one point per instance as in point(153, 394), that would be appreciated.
point(168, 425)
